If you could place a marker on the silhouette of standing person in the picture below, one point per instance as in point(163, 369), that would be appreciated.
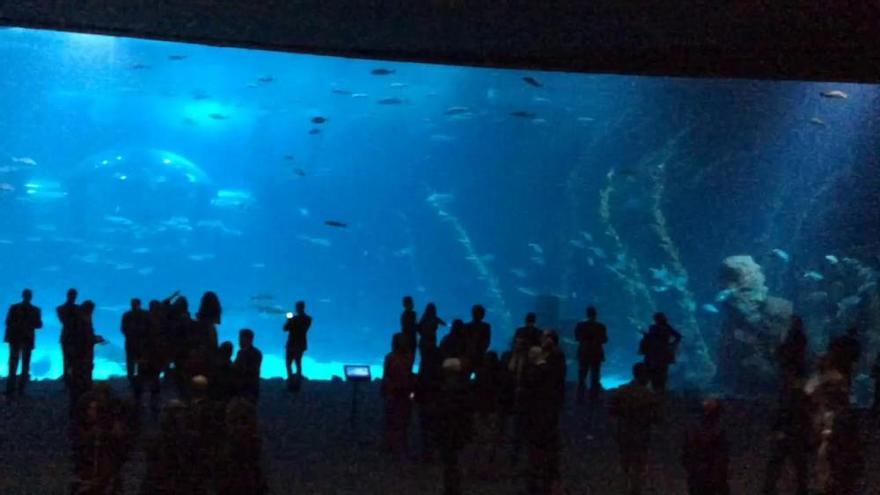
point(791, 440)
point(201, 336)
point(455, 428)
point(297, 329)
point(428, 388)
point(22, 320)
point(83, 353)
point(409, 326)
point(398, 383)
point(591, 336)
point(529, 335)
point(478, 336)
point(428, 326)
point(705, 455)
point(791, 355)
point(247, 366)
point(844, 352)
point(635, 407)
point(153, 358)
point(135, 329)
point(658, 346)
point(67, 314)
point(543, 399)
point(454, 344)
point(209, 315)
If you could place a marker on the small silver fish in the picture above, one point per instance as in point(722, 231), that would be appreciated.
point(834, 93)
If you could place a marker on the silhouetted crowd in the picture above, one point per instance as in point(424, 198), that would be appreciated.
point(208, 440)
point(463, 394)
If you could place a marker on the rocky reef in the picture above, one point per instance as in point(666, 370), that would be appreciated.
point(753, 325)
point(838, 295)
point(835, 296)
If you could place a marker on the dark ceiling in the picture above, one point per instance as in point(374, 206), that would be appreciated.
point(778, 39)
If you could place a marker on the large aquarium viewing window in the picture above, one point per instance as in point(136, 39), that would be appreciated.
point(134, 168)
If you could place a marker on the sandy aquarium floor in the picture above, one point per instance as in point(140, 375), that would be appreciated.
point(310, 448)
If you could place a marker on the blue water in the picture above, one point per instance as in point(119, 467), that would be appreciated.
point(136, 168)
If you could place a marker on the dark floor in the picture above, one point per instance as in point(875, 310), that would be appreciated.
point(310, 448)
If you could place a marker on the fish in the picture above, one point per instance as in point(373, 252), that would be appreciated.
point(440, 198)
point(814, 276)
point(382, 72)
point(538, 260)
point(6, 188)
point(90, 258)
point(118, 220)
point(390, 101)
point(597, 252)
point(818, 122)
point(518, 272)
point(577, 243)
point(723, 295)
point(541, 99)
point(343, 92)
point(258, 265)
point(314, 132)
point(709, 308)
point(271, 310)
point(25, 160)
point(319, 120)
point(531, 81)
point(398, 85)
point(46, 227)
point(834, 93)
point(201, 257)
point(177, 57)
point(523, 114)
point(318, 241)
point(6, 169)
point(139, 66)
point(849, 301)
point(123, 266)
point(781, 254)
point(303, 212)
point(263, 296)
point(200, 95)
point(299, 172)
point(832, 259)
point(536, 248)
point(359, 95)
point(441, 138)
point(6, 242)
point(586, 119)
point(335, 223)
point(218, 116)
point(265, 79)
point(402, 252)
point(587, 236)
point(146, 270)
point(457, 111)
point(288, 158)
point(527, 291)
point(51, 268)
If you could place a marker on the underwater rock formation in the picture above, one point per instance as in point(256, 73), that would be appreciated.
point(753, 326)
